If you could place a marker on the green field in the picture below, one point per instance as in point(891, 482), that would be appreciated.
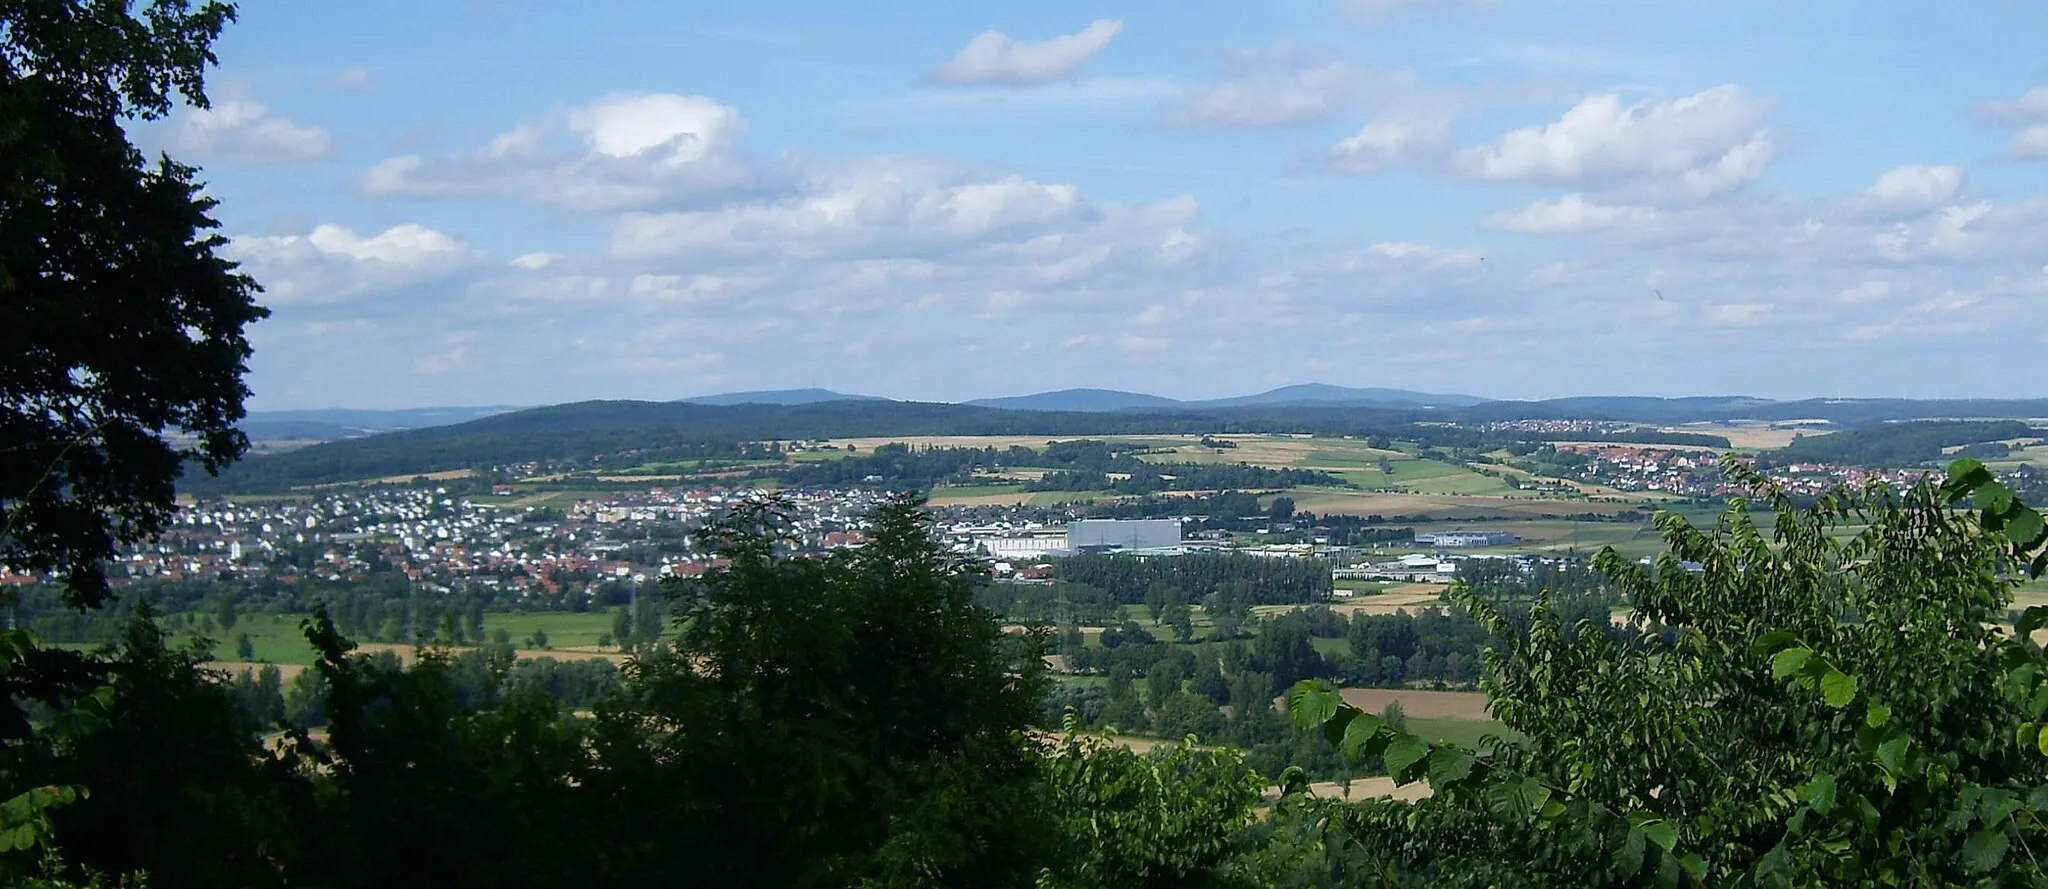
point(278, 638)
point(1327, 646)
point(975, 490)
point(1463, 732)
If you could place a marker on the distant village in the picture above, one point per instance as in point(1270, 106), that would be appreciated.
point(446, 541)
point(1695, 472)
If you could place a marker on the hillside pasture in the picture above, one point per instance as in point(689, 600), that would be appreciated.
point(1322, 501)
point(1751, 435)
point(1454, 705)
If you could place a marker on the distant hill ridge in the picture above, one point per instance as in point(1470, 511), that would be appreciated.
point(1303, 394)
point(779, 396)
point(634, 432)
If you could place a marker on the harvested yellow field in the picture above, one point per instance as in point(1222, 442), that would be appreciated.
point(1284, 452)
point(1469, 705)
point(1752, 436)
point(1363, 789)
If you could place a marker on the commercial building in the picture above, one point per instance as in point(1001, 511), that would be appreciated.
point(1115, 535)
point(1466, 538)
point(1031, 544)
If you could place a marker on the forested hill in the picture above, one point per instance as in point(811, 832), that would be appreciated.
point(600, 433)
point(627, 433)
point(1908, 444)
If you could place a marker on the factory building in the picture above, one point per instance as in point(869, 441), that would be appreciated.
point(1466, 538)
point(1122, 535)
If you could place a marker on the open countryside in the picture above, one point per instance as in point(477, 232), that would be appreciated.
point(1554, 446)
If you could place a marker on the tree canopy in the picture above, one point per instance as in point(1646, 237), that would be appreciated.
point(122, 345)
point(1832, 701)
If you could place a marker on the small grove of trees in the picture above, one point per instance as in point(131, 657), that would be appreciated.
point(1254, 580)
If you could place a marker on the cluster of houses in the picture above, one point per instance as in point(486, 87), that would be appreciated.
point(448, 540)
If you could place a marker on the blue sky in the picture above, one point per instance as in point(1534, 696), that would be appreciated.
point(497, 202)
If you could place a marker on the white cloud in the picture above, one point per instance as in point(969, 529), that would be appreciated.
point(1387, 143)
point(1918, 185)
point(2028, 114)
point(861, 214)
point(882, 272)
point(1571, 214)
point(246, 133)
point(2030, 143)
point(1153, 316)
point(993, 57)
point(628, 150)
point(1286, 84)
point(673, 129)
point(2030, 108)
point(1699, 145)
point(1434, 256)
point(333, 263)
point(1737, 314)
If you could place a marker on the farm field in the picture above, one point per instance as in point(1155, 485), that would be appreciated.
point(277, 638)
point(995, 495)
point(1753, 436)
point(1454, 705)
point(1445, 506)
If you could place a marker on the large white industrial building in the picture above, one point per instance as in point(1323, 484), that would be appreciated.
point(1086, 536)
point(1116, 535)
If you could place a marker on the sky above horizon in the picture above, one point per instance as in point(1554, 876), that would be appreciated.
point(492, 202)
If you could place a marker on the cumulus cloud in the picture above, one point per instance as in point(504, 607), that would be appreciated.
point(1700, 145)
point(246, 133)
point(993, 57)
point(1386, 143)
point(1571, 214)
point(628, 150)
point(2028, 114)
point(857, 214)
point(916, 277)
point(2030, 143)
point(1286, 84)
point(332, 263)
point(2030, 108)
point(1918, 185)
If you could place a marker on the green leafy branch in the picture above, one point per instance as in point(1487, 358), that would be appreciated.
point(2002, 512)
point(1508, 796)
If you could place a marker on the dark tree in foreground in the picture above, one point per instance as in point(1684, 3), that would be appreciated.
point(121, 331)
point(851, 719)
